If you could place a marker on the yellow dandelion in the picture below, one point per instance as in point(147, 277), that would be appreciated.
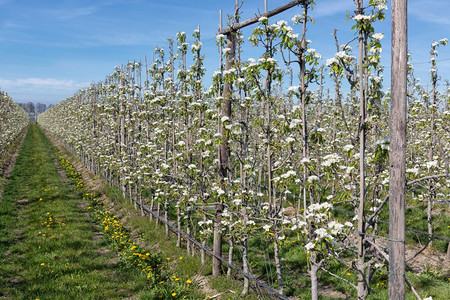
point(42, 264)
point(188, 281)
point(174, 294)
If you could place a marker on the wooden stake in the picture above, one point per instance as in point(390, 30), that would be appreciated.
point(397, 152)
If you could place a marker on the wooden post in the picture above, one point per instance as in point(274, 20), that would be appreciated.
point(397, 152)
point(224, 152)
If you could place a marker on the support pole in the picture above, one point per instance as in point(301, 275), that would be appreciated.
point(397, 152)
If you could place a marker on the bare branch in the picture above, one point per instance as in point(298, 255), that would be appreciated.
point(426, 178)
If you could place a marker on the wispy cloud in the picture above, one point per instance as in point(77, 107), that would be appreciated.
point(72, 13)
point(124, 39)
point(52, 83)
point(436, 11)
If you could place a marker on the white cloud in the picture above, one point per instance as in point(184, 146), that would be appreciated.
point(69, 13)
point(35, 82)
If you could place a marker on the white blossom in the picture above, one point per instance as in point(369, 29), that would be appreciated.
point(431, 164)
point(313, 178)
point(309, 246)
point(331, 61)
point(226, 50)
point(362, 18)
point(237, 201)
point(330, 159)
point(262, 19)
point(414, 171)
point(348, 147)
point(220, 192)
point(293, 88)
point(296, 19)
point(289, 140)
point(282, 23)
point(378, 36)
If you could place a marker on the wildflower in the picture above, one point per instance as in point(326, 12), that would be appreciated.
point(174, 294)
point(188, 281)
point(42, 264)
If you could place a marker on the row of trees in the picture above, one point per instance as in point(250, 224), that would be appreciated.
point(32, 108)
point(13, 119)
point(272, 162)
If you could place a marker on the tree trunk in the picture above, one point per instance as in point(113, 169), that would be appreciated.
point(362, 174)
point(314, 279)
point(166, 216)
point(230, 255)
point(178, 225)
point(276, 254)
point(245, 266)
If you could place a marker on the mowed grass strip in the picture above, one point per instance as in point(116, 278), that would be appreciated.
point(49, 246)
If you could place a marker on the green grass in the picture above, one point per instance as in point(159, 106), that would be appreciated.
point(69, 258)
point(184, 265)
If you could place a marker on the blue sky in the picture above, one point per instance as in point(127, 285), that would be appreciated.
point(50, 49)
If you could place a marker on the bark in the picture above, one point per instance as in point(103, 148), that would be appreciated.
point(179, 225)
point(276, 251)
point(314, 279)
point(362, 293)
point(245, 266)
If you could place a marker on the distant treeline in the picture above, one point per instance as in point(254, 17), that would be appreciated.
point(32, 108)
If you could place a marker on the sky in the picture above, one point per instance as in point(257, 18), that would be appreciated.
point(50, 49)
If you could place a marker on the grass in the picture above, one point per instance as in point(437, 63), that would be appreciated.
point(77, 262)
point(183, 264)
point(295, 275)
point(49, 246)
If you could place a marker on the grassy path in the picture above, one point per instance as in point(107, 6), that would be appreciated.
point(49, 247)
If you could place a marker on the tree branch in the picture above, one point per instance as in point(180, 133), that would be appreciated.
point(411, 182)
